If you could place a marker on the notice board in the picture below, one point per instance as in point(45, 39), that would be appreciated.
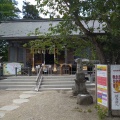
point(102, 85)
point(9, 68)
point(115, 87)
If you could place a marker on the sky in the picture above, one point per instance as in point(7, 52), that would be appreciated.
point(20, 4)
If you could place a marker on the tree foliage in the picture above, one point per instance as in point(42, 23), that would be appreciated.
point(50, 40)
point(4, 50)
point(76, 12)
point(8, 10)
point(30, 11)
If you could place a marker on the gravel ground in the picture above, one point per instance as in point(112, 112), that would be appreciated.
point(6, 97)
point(49, 105)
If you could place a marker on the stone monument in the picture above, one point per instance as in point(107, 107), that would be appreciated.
point(79, 90)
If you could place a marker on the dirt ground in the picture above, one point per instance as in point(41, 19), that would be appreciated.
point(49, 105)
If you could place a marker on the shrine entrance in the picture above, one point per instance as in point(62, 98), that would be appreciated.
point(49, 59)
point(57, 63)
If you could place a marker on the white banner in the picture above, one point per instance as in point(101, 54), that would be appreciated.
point(115, 87)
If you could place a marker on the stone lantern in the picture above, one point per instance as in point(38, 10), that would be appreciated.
point(79, 90)
point(80, 87)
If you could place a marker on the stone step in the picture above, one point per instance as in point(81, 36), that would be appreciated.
point(59, 77)
point(16, 86)
point(61, 81)
point(17, 80)
point(21, 89)
point(50, 89)
point(64, 81)
point(92, 85)
point(17, 83)
point(57, 82)
point(57, 86)
point(64, 88)
point(21, 77)
point(51, 82)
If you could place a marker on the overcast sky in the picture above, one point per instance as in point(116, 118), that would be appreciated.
point(20, 4)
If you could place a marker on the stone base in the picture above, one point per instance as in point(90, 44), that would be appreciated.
point(84, 99)
point(116, 113)
point(76, 91)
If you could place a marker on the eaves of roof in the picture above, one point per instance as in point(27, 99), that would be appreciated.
point(19, 29)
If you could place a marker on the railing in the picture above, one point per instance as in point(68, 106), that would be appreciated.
point(39, 79)
point(24, 71)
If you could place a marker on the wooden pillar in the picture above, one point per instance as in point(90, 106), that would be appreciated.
point(24, 56)
point(44, 56)
point(66, 55)
point(9, 52)
point(33, 62)
point(55, 67)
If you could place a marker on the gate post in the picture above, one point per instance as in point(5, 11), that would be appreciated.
point(29, 71)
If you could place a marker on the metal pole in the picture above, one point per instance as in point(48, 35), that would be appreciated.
point(29, 72)
point(15, 71)
point(109, 91)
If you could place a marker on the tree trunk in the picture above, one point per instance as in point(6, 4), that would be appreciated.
point(99, 50)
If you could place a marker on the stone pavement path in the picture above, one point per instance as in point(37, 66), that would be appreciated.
point(7, 96)
point(47, 105)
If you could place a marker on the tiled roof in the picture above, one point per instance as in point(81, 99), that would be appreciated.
point(22, 28)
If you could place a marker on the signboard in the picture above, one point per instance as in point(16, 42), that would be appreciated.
point(9, 68)
point(115, 87)
point(102, 85)
point(85, 68)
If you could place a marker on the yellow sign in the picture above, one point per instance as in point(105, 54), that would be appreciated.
point(117, 86)
point(84, 67)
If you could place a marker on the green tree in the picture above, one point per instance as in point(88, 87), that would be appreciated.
point(30, 11)
point(49, 41)
point(8, 10)
point(4, 50)
point(74, 12)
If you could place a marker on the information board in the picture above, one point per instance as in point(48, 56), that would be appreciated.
point(9, 68)
point(115, 87)
point(102, 85)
